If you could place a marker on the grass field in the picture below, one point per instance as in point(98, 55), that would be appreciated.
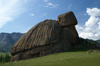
point(78, 58)
point(1, 53)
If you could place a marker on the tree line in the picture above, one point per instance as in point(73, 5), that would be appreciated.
point(5, 58)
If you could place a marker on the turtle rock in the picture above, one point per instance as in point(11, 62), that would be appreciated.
point(47, 37)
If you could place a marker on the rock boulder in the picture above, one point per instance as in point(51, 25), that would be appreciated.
point(67, 19)
point(45, 38)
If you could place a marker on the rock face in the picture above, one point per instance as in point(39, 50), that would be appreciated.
point(47, 37)
point(68, 20)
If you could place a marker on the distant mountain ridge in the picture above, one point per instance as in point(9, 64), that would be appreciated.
point(7, 40)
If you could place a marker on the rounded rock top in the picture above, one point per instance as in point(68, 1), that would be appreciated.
point(67, 19)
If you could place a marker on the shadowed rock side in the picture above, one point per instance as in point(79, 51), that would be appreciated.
point(45, 38)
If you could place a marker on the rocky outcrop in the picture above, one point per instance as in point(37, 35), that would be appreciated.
point(45, 38)
point(68, 21)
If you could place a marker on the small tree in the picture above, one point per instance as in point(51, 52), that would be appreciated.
point(0, 58)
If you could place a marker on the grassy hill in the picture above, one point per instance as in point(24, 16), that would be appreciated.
point(1, 53)
point(72, 57)
point(79, 58)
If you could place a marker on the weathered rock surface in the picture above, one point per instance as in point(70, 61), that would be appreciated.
point(45, 38)
point(67, 19)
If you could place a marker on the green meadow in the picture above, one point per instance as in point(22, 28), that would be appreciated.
point(77, 58)
point(1, 53)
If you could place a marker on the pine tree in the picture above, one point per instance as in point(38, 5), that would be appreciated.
point(5, 58)
point(0, 58)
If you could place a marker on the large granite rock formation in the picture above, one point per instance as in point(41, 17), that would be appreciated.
point(47, 37)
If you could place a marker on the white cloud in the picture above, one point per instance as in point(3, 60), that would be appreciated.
point(99, 24)
point(8, 10)
point(91, 29)
point(32, 14)
point(43, 15)
point(93, 12)
point(51, 5)
point(92, 21)
point(46, 0)
point(69, 6)
point(4, 19)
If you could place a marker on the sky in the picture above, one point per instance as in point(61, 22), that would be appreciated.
point(21, 15)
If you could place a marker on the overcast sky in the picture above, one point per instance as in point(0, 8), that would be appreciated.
point(21, 15)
